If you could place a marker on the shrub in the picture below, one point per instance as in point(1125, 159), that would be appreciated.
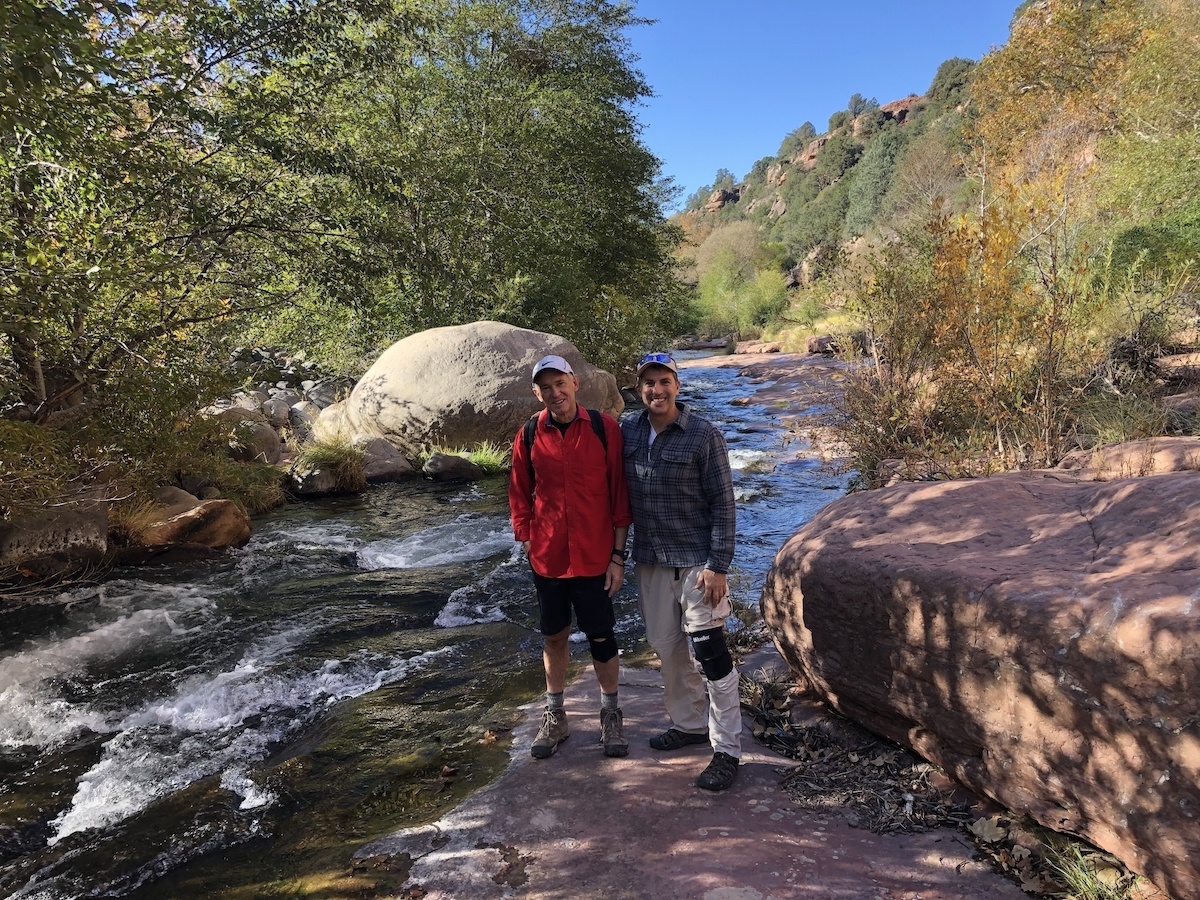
point(336, 456)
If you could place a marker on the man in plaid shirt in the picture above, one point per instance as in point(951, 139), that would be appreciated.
point(681, 492)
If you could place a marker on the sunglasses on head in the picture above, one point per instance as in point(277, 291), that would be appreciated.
point(656, 359)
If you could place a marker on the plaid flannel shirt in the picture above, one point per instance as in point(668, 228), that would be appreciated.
point(681, 491)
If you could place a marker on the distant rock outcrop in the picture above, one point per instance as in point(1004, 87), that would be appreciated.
point(1035, 635)
point(718, 198)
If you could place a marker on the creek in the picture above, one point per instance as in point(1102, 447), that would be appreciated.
point(237, 727)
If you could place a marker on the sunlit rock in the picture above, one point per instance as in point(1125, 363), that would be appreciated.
point(381, 461)
point(216, 524)
point(458, 386)
point(1036, 635)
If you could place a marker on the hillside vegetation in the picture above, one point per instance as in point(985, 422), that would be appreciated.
point(1017, 246)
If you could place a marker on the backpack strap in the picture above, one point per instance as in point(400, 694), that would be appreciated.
point(529, 432)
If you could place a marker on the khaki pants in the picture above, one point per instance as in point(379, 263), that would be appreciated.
point(672, 608)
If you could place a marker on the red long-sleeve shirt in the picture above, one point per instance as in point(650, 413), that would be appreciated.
point(568, 511)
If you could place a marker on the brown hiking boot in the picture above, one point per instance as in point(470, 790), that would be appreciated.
point(553, 732)
point(612, 733)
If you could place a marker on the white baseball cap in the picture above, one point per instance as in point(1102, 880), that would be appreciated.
point(552, 362)
point(656, 359)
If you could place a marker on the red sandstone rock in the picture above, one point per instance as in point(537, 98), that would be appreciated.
point(1036, 636)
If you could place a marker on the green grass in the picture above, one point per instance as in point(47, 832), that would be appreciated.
point(491, 456)
point(337, 456)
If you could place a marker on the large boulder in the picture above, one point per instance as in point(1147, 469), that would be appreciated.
point(59, 541)
point(216, 524)
point(1035, 635)
point(458, 386)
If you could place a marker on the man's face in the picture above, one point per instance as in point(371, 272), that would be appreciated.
point(557, 391)
point(658, 387)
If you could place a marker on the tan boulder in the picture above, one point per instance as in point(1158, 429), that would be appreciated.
point(459, 386)
point(1134, 459)
point(212, 523)
point(1035, 635)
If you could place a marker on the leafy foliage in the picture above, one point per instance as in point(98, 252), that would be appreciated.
point(179, 175)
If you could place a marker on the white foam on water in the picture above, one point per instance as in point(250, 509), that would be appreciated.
point(750, 461)
point(237, 781)
point(475, 603)
point(468, 538)
point(744, 494)
point(33, 710)
point(201, 730)
point(335, 536)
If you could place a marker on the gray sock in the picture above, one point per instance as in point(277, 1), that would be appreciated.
point(554, 701)
point(608, 701)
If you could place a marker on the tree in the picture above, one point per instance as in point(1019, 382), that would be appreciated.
point(356, 167)
point(950, 82)
point(1150, 180)
point(836, 158)
point(873, 175)
point(859, 104)
point(1062, 63)
point(797, 140)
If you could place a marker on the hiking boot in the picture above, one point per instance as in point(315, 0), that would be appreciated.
point(612, 733)
point(720, 772)
point(553, 732)
point(673, 739)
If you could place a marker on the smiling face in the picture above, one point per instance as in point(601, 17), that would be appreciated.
point(557, 391)
point(659, 387)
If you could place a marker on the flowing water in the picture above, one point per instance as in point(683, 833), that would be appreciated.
point(229, 728)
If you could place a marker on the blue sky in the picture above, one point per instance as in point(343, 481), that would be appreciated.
point(733, 77)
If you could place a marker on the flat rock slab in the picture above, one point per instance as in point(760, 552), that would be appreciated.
point(580, 825)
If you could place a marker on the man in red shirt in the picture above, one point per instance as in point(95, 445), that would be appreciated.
point(570, 511)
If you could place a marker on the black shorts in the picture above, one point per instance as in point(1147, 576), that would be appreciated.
point(586, 595)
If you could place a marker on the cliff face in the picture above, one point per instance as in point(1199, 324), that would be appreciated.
point(764, 191)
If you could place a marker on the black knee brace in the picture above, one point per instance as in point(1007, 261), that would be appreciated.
point(603, 646)
point(712, 653)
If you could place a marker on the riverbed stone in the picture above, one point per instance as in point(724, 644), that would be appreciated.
point(459, 386)
point(1034, 634)
point(381, 461)
point(217, 524)
point(57, 541)
point(448, 467)
point(1131, 459)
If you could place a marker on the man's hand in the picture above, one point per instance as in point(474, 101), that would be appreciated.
point(613, 577)
point(714, 584)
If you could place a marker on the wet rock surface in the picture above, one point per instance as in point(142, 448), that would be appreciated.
point(585, 826)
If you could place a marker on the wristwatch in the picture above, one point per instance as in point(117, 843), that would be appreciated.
point(624, 554)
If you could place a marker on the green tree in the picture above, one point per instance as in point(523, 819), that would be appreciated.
point(796, 140)
point(1149, 182)
point(950, 82)
point(873, 175)
point(724, 180)
point(837, 157)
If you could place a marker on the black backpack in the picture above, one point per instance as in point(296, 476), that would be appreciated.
point(529, 432)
